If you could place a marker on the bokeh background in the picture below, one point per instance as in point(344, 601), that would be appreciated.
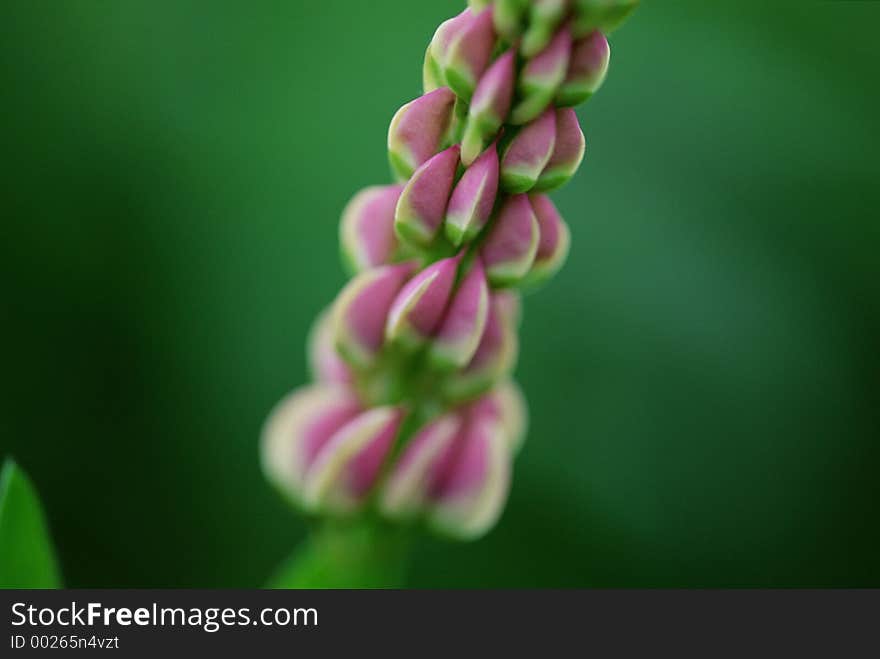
point(703, 375)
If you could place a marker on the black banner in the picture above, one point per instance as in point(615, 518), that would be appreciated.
point(395, 623)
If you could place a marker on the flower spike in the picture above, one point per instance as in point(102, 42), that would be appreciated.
point(414, 414)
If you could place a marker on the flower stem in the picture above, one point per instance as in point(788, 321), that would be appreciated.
point(358, 553)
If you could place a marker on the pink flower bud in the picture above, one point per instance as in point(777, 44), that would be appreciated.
point(405, 491)
point(422, 204)
point(366, 232)
point(462, 326)
point(446, 34)
point(325, 363)
point(506, 403)
point(419, 305)
point(508, 303)
point(432, 76)
point(473, 480)
point(489, 106)
point(508, 17)
point(361, 309)
point(496, 353)
point(512, 242)
point(568, 152)
point(468, 53)
point(554, 243)
point(297, 430)
point(544, 18)
point(586, 69)
point(528, 153)
point(417, 130)
point(349, 463)
point(541, 78)
point(473, 198)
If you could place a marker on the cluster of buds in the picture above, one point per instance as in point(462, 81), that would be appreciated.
point(414, 413)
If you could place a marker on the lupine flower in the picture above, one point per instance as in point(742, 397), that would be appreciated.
point(446, 33)
point(456, 468)
point(462, 326)
point(512, 242)
point(417, 130)
point(473, 479)
point(568, 152)
point(366, 232)
point(473, 198)
point(544, 18)
point(489, 106)
point(422, 204)
point(528, 153)
point(541, 78)
point(467, 54)
point(405, 493)
point(361, 309)
point(419, 306)
point(349, 463)
point(432, 76)
point(587, 68)
point(325, 362)
point(414, 412)
point(507, 404)
point(509, 305)
point(298, 429)
point(553, 244)
point(494, 358)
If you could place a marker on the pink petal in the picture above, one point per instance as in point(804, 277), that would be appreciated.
point(422, 204)
point(417, 130)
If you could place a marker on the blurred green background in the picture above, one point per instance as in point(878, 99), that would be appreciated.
point(702, 377)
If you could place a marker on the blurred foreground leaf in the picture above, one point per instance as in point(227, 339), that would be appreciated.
point(27, 559)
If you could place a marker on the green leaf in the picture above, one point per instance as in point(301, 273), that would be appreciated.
point(27, 559)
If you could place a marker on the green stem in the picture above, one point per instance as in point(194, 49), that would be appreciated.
point(361, 553)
